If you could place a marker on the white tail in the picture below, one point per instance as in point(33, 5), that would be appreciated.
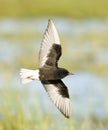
point(28, 75)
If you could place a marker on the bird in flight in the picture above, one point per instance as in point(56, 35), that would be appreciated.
point(48, 72)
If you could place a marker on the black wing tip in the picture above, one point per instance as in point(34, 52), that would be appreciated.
point(66, 116)
point(50, 21)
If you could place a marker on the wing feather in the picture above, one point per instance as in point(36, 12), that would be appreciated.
point(58, 93)
point(49, 39)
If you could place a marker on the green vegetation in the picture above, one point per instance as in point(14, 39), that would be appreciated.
point(67, 8)
point(21, 110)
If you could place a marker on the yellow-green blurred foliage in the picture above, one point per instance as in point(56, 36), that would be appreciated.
point(71, 8)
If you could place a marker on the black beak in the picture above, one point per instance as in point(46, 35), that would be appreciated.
point(70, 73)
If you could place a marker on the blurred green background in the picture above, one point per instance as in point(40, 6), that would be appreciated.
point(66, 8)
point(83, 30)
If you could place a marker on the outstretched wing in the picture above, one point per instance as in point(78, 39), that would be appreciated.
point(50, 50)
point(59, 95)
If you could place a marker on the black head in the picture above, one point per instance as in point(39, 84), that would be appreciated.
point(62, 73)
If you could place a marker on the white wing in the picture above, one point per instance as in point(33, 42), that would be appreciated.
point(58, 93)
point(50, 37)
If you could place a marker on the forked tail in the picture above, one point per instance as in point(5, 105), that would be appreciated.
point(28, 75)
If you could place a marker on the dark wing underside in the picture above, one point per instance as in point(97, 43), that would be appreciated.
point(50, 50)
point(59, 95)
point(54, 55)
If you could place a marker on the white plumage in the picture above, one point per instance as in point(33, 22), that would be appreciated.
point(28, 75)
